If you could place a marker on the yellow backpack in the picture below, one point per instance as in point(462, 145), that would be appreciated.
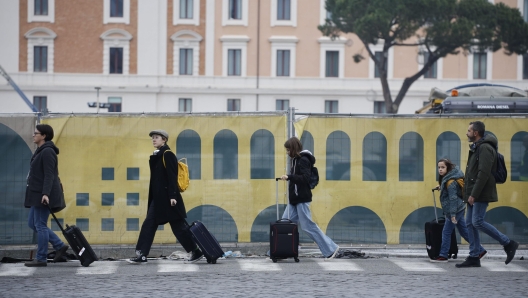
point(183, 180)
point(460, 182)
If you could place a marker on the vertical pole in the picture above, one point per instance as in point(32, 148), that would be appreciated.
point(97, 88)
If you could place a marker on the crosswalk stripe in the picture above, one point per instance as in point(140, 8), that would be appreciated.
point(16, 270)
point(500, 266)
point(177, 267)
point(259, 265)
point(341, 265)
point(416, 265)
point(98, 268)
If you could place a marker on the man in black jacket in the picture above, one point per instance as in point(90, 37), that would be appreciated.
point(479, 190)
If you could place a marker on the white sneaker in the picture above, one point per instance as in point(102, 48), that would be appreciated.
point(333, 255)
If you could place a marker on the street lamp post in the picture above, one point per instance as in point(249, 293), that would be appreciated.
point(97, 88)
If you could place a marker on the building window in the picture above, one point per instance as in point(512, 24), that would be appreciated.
point(186, 9)
point(234, 60)
point(235, 9)
point(283, 63)
point(479, 65)
point(411, 157)
point(116, 60)
point(41, 103)
point(225, 148)
point(338, 156)
point(332, 64)
point(114, 104)
point(185, 105)
point(116, 11)
point(233, 105)
point(283, 10)
point(431, 72)
point(525, 66)
point(519, 156)
point(40, 61)
point(186, 61)
point(379, 107)
point(331, 106)
point(116, 49)
point(189, 145)
point(282, 104)
point(116, 8)
point(41, 7)
point(40, 11)
point(379, 55)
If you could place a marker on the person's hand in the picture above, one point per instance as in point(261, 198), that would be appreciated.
point(284, 177)
point(453, 220)
point(471, 200)
point(173, 202)
point(45, 200)
point(437, 187)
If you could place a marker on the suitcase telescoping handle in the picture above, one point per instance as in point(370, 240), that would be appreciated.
point(434, 202)
point(277, 196)
point(56, 220)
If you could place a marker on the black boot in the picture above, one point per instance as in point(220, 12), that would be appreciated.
point(469, 262)
point(510, 250)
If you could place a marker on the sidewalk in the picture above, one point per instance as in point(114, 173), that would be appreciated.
point(495, 251)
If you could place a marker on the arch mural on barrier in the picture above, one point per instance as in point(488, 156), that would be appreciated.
point(448, 146)
point(189, 146)
point(509, 221)
point(356, 224)
point(412, 229)
point(218, 221)
point(15, 157)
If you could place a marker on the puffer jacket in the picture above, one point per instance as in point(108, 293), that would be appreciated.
point(299, 178)
point(479, 182)
point(451, 196)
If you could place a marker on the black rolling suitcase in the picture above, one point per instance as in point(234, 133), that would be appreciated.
point(206, 241)
point(82, 249)
point(433, 236)
point(284, 236)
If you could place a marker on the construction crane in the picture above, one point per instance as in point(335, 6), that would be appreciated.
point(15, 86)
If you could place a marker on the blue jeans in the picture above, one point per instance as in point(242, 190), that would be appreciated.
point(475, 219)
point(301, 213)
point(448, 230)
point(38, 222)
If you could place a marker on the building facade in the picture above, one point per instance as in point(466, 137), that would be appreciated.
point(211, 56)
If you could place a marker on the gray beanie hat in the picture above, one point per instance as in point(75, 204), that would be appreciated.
point(160, 132)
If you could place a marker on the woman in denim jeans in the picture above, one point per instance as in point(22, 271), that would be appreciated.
point(43, 188)
point(300, 196)
point(453, 207)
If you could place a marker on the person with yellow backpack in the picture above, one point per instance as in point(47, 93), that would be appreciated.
point(165, 203)
point(450, 185)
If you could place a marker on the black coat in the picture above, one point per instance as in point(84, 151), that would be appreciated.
point(43, 178)
point(300, 172)
point(163, 187)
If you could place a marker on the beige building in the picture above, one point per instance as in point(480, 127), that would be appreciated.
point(211, 56)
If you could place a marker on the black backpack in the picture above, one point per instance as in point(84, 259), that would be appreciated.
point(314, 178)
point(500, 173)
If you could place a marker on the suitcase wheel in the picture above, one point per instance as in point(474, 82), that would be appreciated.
point(214, 262)
point(296, 260)
point(208, 261)
point(274, 260)
point(455, 256)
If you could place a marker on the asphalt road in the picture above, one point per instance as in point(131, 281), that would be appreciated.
point(259, 277)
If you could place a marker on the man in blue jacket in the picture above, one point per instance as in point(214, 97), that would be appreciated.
point(479, 190)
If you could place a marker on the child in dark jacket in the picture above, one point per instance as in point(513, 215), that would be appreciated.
point(453, 206)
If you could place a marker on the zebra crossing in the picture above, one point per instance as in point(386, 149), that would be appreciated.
point(257, 265)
